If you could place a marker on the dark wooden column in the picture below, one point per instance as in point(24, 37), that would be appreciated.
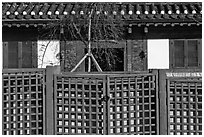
point(49, 99)
point(34, 54)
point(163, 121)
point(5, 54)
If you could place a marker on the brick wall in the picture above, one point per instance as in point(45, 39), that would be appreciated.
point(136, 55)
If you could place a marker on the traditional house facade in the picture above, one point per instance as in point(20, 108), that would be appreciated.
point(174, 29)
point(178, 22)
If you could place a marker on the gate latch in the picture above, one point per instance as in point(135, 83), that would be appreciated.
point(105, 98)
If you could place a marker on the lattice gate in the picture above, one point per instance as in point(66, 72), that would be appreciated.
point(46, 101)
point(184, 106)
point(23, 101)
point(133, 104)
point(105, 104)
point(79, 105)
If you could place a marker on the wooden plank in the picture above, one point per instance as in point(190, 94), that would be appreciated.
point(150, 101)
point(137, 105)
point(185, 53)
point(22, 70)
point(30, 109)
point(50, 71)
point(26, 54)
point(63, 104)
point(171, 56)
point(106, 106)
point(123, 105)
point(20, 54)
point(24, 97)
point(162, 102)
point(34, 54)
point(182, 108)
point(168, 108)
point(83, 106)
point(156, 82)
point(125, 57)
point(62, 43)
point(196, 110)
point(143, 108)
point(76, 106)
point(97, 107)
point(13, 54)
point(200, 54)
point(70, 106)
point(5, 54)
point(44, 102)
point(145, 52)
point(90, 110)
point(37, 102)
point(9, 109)
point(129, 107)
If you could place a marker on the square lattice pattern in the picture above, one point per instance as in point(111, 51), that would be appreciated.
point(185, 108)
point(23, 103)
point(133, 105)
point(78, 107)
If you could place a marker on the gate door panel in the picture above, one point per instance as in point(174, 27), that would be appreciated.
point(79, 108)
point(23, 101)
point(185, 107)
point(133, 104)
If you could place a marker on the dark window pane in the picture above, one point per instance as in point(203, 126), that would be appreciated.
point(179, 53)
point(13, 54)
point(192, 53)
point(109, 59)
point(27, 55)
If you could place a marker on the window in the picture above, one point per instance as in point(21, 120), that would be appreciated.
point(19, 54)
point(192, 53)
point(186, 53)
point(179, 54)
point(109, 55)
point(109, 59)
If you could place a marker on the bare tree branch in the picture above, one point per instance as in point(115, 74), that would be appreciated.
point(80, 34)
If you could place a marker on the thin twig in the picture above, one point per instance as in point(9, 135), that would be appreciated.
point(79, 34)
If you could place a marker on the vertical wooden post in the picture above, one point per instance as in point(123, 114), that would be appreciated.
point(106, 92)
point(49, 98)
point(162, 102)
point(125, 56)
point(200, 53)
point(34, 54)
point(171, 55)
point(20, 54)
point(157, 100)
point(62, 55)
point(144, 46)
point(5, 54)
